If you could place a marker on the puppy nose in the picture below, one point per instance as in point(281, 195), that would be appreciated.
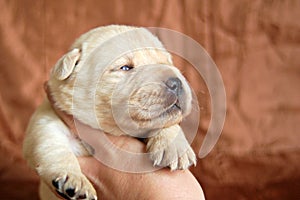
point(174, 84)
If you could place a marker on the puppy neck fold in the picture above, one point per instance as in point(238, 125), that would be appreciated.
point(68, 120)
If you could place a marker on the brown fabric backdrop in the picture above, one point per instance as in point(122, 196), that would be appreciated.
point(255, 44)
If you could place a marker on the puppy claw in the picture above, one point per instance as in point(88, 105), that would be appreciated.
point(173, 165)
point(157, 158)
point(182, 161)
point(55, 183)
point(192, 158)
point(58, 182)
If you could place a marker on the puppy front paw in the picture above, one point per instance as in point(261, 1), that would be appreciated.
point(74, 186)
point(169, 148)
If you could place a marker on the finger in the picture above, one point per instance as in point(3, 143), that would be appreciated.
point(127, 143)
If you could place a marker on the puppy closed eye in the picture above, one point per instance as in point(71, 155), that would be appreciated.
point(126, 67)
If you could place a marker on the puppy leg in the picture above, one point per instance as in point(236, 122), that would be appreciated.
point(49, 149)
point(170, 148)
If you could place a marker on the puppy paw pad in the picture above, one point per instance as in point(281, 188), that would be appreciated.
point(71, 192)
point(74, 186)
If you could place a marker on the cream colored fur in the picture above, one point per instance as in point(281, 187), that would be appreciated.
point(51, 149)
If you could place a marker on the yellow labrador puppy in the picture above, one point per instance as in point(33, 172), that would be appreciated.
point(118, 79)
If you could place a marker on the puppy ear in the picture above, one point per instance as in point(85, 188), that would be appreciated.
point(65, 65)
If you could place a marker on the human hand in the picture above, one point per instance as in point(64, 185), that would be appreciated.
point(161, 184)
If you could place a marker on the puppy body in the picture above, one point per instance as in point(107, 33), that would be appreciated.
point(159, 103)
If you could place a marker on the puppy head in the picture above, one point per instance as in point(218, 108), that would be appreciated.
point(122, 80)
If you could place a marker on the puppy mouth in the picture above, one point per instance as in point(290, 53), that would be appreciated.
point(177, 105)
point(174, 106)
point(170, 109)
point(173, 109)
